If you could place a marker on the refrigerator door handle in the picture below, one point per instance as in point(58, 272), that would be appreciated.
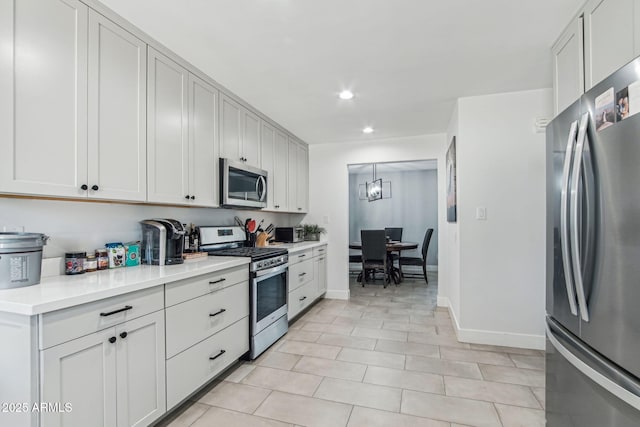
point(625, 388)
point(564, 216)
point(574, 208)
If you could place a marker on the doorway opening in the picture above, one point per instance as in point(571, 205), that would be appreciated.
point(395, 195)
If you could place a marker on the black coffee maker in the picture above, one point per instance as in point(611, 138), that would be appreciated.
point(162, 241)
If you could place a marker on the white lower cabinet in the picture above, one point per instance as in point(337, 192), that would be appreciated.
point(114, 377)
point(307, 279)
point(197, 365)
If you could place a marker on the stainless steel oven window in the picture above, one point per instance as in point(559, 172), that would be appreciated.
point(270, 297)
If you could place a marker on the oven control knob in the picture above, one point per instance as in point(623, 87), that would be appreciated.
point(259, 264)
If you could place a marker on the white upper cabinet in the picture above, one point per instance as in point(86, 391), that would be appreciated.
point(78, 129)
point(274, 153)
point(611, 37)
point(43, 97)
point(203, 142)
point(239, 133)
point(267, 157)
point(568, 66)
point(168, 131)
point(117, 141)
point(298, 177)
point(281, 171)
point(602, 38)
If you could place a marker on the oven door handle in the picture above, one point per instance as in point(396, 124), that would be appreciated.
point(274, 271)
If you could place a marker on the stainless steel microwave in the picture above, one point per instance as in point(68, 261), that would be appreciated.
point(242, 186)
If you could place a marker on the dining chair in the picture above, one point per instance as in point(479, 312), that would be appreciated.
point(374, 255)
point(395, 233)
point(423, 260)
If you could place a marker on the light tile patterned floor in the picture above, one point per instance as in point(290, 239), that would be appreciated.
point(386, 357)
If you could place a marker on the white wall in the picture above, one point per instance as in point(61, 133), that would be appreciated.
point(501, 167)
point(85, 226)
point(413, 206)
point(329, 187)
point(449, 271)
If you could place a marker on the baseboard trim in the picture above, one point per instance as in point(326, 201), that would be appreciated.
point(504, 339)
point(334, 294)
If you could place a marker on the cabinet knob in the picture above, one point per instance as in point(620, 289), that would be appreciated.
point(123, 335)
point(299, 209)
point(84, 187)
point(186, 197)
point(193, 197)
point(277, 206)
point(112, 340)
point(95, 187)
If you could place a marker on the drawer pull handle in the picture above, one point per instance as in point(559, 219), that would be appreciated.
point(123, 335)
point(303, 298)
point(218, 355)
point(125, 308)
point(320, 250)
point(302, 274)
point(302, 256)
point(112, 340)
point(217, 281)
point(320, 259)
point(222, 310)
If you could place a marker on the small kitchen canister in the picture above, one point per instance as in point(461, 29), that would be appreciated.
point(90, 263)
point(102, 255)
point(74, 262)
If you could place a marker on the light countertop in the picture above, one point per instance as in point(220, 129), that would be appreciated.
point(301, 246)
point(58, 292)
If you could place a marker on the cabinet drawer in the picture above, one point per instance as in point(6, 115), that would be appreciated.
point(196, 319)
point(300, 298)
point(70, 323)
point(183, 290)
point(320, 250)
point(193, 367)
point(301, 256)
point(300, 273)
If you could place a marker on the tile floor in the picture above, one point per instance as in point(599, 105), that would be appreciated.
point(386, 357)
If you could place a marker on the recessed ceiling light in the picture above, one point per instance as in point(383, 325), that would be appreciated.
point(368, 129)
point(346, 94)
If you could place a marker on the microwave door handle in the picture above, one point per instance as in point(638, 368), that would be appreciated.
point(261, 186)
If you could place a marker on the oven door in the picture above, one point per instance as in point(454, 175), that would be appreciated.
point(242, 185)
point(269, 297)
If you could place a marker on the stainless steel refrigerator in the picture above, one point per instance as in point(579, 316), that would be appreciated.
point(593, 257)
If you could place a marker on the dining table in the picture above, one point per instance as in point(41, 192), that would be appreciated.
point(392, 246)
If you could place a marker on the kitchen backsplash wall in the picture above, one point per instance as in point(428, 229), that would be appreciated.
point(85, 226)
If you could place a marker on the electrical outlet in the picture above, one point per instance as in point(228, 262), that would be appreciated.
point(325, 219)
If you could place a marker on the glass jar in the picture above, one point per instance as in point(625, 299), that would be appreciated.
point(102, 256)
point(74, 262)
point(90, 264)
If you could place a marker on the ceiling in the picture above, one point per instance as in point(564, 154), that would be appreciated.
point(405, 60)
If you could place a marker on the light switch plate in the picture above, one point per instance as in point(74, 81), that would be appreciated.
point(481, 213)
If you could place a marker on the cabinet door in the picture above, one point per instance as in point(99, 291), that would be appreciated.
point(568, 69)
point(117, 142)
point(267, 159)
point(141, 392)
point(167, 150)
point(251, 138)
point(321, 274)
point(303, 179)
point(203, 142)
point(292, 176)
point(230, 129)
point(610, 31)
point(280, 172)
point(81, 372)
point(43, 125)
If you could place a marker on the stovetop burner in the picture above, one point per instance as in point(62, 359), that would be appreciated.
point(256, 254)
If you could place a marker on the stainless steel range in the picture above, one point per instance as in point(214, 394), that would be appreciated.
point(268, 273)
